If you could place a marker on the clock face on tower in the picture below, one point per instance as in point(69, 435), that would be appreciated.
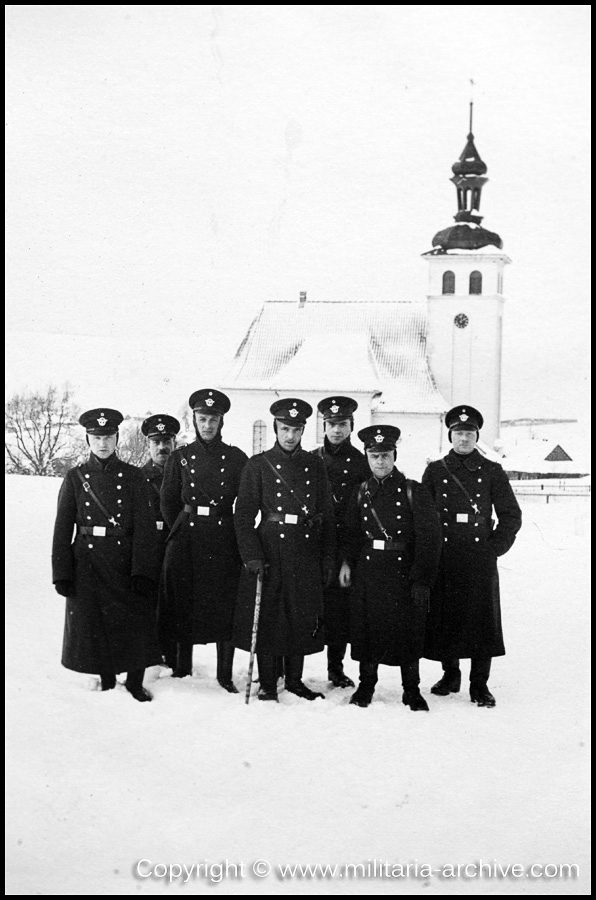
point(461, 320)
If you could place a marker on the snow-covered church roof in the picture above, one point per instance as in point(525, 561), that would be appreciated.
point(339, 346)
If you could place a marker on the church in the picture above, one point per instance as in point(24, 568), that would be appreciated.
point(406, 363)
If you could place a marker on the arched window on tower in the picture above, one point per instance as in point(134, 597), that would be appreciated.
point(259, 436)
point(448, 282)
point(476, 282)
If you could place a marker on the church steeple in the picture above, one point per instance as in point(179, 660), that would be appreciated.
point(468, 178)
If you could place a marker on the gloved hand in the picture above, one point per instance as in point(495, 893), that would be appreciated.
point(141, 585)
point(256, 566)
point(64, 588)
point(420, 593)
point(328, 569)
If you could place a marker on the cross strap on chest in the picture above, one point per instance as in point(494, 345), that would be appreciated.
point(364, 491)
point(89, 490)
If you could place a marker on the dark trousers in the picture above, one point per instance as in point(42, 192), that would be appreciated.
point(269, 670)
point(479, 668)
point(410, 675)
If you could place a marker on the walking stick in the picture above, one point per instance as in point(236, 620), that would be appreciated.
point(253, 640)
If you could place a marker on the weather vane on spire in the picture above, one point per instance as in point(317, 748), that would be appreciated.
point(472, 82)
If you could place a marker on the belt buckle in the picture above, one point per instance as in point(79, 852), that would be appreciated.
point(462, 517)
point(378, 545)
point(290, 519)
point(99, 531)
point(159, 526)
point(202, 510)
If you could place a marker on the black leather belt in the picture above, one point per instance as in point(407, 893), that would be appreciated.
point(287, 519)
point(213, 511)
point(100, 531)
point(386, 545)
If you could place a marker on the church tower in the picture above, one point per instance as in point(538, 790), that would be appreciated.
point(465, 300)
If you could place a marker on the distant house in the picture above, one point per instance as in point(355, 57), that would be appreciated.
point(405, 362)
point(539, 459)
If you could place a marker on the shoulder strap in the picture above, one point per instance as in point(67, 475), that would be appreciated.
point(87, 487)
point(461, 487)
point(296, 496)
point(212, 502)
point(374, 512)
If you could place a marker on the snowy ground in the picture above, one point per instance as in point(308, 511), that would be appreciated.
point(97, 782)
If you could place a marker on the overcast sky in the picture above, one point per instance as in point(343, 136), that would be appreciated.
point(170, 168)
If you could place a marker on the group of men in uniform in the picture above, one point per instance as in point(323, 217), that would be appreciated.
point(345, 548)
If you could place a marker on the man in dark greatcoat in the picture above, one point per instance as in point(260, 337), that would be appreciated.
point(465, 613)
point(346, 467)
point(392, 540)
point(160, 431)
point(292, 548)
point(202, 565)
point(108, 571)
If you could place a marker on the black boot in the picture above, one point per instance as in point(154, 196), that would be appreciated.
point(479, 672)
point(183, 660)
point(108, 681)
point(134, 686)
point(410, 679)
point(225, 659)
point(369, 675)
point(268, 667)
point(335, 668)
point(450, 683)
point(294, 666)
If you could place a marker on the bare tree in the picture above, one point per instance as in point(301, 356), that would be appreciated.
point(132, 444)
point(38, 430)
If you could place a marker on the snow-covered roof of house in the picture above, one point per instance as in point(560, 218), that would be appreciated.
point(545, 456)
point(340, 346)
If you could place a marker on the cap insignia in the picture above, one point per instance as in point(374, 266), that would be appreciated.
point(161, 426)
point(379, 438)
point(293, 413)
point(335, 408)
point(463, 418)
point(209, 401)
point(102, 421)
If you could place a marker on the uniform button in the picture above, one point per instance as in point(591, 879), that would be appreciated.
point(308, 495)
point(87, 476)
point(192, 484)
point(119, 501)
point(222, 470)
point(89, 517)
point(278, 467)
point(444, 495)
point(445, 524)
point(348, 459)
point(398, 503)
point(308, 482)
point(399, 558)
point(282, 535)
point(368, 557)
point(119, 542)
point(279, 493)
point(279, 508)
point(87, 503)
point(223, 456)
point(444, 539)
point(477, 495)
point(192, 524)
point(399, 490)
point(399, 532)
point(480, 479)
point(118, 487)
point(366, 518)
point(345, 471)
point(118, 515)
point(222, 484)
point(399, 517)
point(445, 509)
point(277, 481)
point(90, 546)
point(193, 457)
point(306, 470)
point(120, 475)
point(307, 535)
point(476, 539)
point(192, 471)
point(475, 524)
